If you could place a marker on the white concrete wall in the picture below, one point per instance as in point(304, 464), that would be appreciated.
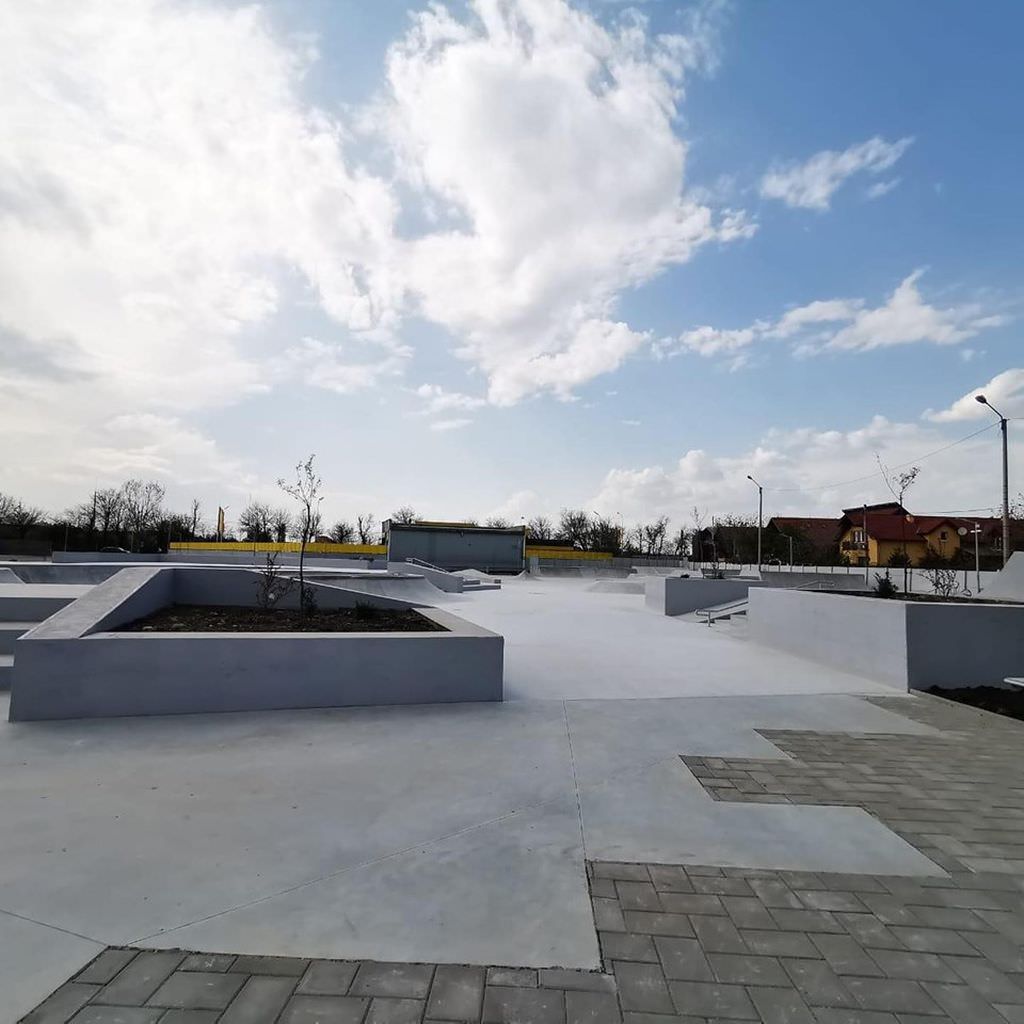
point(912, 645)
point(670, 595)
point(866, 636)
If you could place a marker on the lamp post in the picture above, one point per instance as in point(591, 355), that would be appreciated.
point(1006, 477)
point(760, 514)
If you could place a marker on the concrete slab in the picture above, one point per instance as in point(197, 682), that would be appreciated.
point(34, 960)
point(511, 892)
point(661, 813)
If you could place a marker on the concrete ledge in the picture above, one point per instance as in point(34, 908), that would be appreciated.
point(677, 596)
point(908, 644)
point(74, 666)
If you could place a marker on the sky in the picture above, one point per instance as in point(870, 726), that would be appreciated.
point(502, 257)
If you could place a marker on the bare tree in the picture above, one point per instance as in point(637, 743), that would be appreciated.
point(498, 523)
point(110, 510)
point(365, 525)
point(23, 517)
point(142, 502)
point(195, 522)
point(574, 528)
point(681, 543)
point(280, 524)
point(306, 492)
point(405, 515)
point(342, 532)
point(271, 583)
point(943, 580)
point(899, 484)
point(654, 535)
point(605, 535)
point(540, 528)
point(254, 521)
point(8, 503)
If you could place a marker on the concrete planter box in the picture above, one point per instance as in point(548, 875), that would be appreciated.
point(910, 645)
point(677, 596)
point(75, 666)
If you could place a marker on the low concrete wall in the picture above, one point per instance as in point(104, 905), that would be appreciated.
point(449, 582)
point(911, 645)
point(73, 666)
point(866, 636)
point(245, 557)
point(677, 596)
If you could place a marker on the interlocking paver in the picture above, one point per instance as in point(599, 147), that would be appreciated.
point(117, 1015)
point(140, 979)
point(915, 966)
point(740, 969)
point(327, 978)
point(456, 993)
point(683, 959)
point(818, 983)
point(780, 1006)
point(512, 977)
point(718, 935)
point(703, 999)
point(105, 966)
point(657, 924)
point(394, 1011)
point(624, 946)
point(890, 995)
point(260, 1000)
point(196, 990)
point(986, 979)
point(637, 896)
point(289, 966)
point(642, 988)
point(591, 1008)
point(846, 956)
point(406, 981)
point(591, 981)
point(324, 1010)
point(523, 1006)
point(189, 1016)
point(207, 962)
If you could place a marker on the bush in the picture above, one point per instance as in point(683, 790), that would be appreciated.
point(884, 586)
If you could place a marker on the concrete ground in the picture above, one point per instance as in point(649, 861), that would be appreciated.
point(451, 834)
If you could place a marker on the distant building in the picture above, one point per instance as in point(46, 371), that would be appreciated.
point(454, 546)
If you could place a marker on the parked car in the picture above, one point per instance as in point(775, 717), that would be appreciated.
point(114, 551)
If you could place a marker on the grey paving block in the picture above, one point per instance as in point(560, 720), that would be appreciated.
point(768, 943)
point(581, 980)
point(683, 959)
point(780, 1006)
point(816, 899)
point(775, 894)
point(701, 999)
point(117, 1015)
point(724, 886)
point(627, 872)
point(657, 924)
point(891, 995)
point(591, 1008)
point(608, 915)
point(846, 956)
point(1006, 955)
point(403, 981)
point(394, 1011)
point(512, 977)
point(288, 966)
point(986, 979)
point(807, 921)
point(603, 887)
point(260, 1000)
point(140, 979)
point(869, 931)
point(637, 896)
point(747, 912)
point(692, 903)
point(626, 946)
point(913, 966)
point(196, 990)
point(833, 1015)
point(324, 1010)
point(669, 878)
point(327, 978)
point(818, 983)
point(189, 1016)
point(642, 988)
point(523, 1006)
point(207, 962)
point(457, 993)
point(963, 1004)
point(718, 935)
point(105, 966)
point(743, 969)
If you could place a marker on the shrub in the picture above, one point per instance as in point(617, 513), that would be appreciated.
point(884, 586)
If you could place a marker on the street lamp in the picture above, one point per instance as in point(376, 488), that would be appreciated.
point(760, 513)
point(1006, 478)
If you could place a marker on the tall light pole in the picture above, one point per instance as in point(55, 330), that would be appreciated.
point(1006, 477)
point(760, 515)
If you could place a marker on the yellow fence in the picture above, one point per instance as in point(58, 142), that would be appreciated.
point(324, 548)
point(313, 548)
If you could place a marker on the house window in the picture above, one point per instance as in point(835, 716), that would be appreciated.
point(858, 537)
point(943, 536)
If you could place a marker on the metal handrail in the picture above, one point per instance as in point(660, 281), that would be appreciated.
point(718, 611)
point(427, 565)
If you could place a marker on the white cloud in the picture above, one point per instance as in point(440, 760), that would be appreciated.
point(810, 471)
point(320, 364)
point(436, 400)
point(904, 318)
point(881, 188)
point(1005, 391)
point(453, 424)
point(812, 184)
point(548, 141)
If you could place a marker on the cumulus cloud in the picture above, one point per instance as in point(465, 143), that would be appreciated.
point(436, 400)
point(809, 471)
point(1005, 391)
point(547, 143)
point(811, 185)
point(904, 318)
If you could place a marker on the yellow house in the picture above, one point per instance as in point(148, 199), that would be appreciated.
point(892, 530)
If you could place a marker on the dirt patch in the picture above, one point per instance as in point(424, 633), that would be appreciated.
point(191, 618)
point(996, 699)
point(920, 598)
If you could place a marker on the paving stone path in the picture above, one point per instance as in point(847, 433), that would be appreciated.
point(701, 944)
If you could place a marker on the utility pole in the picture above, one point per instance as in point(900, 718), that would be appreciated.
point(867, 560)
point(760, 516)
point(1006, 476)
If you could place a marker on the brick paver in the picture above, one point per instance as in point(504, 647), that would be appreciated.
point(701, 943)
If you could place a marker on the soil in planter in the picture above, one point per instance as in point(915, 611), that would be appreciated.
point(921, 598)
point(989, 698)
point(192, 618)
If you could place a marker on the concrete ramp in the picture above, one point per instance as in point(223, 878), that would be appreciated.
point(414, 589)
point(616, 587)
point(1008, 584)
point(7, 576)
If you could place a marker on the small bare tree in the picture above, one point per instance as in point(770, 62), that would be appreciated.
point(405, 515)
point(306, 492)
point(899, 484)
point(195, 520)
point(342, 532)
point(539, 528)
point(498, 523)
point(942, 579)
point(365, 527)
point(272, 584)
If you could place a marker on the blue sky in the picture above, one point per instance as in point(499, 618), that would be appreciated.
point(509, 257)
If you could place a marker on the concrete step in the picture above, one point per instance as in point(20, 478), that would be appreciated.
point(10, 631)
point(6, 671)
